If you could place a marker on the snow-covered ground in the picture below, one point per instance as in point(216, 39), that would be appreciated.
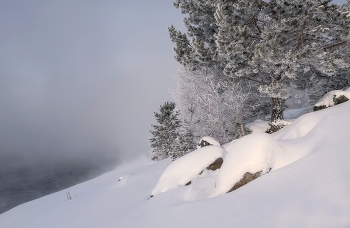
point(310, 187)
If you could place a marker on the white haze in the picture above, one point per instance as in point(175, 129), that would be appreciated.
point(80, 80)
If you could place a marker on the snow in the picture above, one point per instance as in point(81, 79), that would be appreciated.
point(313, 190)
point(258, 126)
point(210, 140)
point(327, 99)
point(295, 113)
point(252, 153)
point(187, 168)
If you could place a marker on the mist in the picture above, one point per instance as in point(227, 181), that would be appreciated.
point(80, 80)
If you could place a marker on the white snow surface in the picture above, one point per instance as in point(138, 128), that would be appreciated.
point(313, 190)
point(327, 99)
point(295, 113)
point(187, 168)
point(252, 153)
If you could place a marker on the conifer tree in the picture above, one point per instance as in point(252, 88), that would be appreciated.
point(167, 141)
point(275, 43)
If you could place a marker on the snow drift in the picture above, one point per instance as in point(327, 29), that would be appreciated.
point(185, 169)
point(313, 191)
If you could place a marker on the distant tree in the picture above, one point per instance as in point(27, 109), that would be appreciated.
point(167, 140)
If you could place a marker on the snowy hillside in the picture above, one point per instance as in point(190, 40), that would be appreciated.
point(313, 191)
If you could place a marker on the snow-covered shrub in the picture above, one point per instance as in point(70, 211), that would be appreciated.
point(340, 99)
point(187, 168)
point(207, 141)
point(332, 98)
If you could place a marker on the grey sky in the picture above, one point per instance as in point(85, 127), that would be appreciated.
point(81, 79)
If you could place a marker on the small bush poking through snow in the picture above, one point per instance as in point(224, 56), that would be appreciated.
point(207, 141)
point(69, 198)
point(340, 99)
point(332, 98)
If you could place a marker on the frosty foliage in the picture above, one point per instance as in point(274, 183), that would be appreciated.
point(276, 44)
point(168, 140)
point(212, 107)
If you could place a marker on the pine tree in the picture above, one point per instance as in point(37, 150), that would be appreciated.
point(196, 50)
point(276, 43)
point(166, 137)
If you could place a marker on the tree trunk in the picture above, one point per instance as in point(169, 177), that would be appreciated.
point(276, 116)
point(241, 117)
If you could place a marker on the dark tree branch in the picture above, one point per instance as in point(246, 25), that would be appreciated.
point(256, 24)
point(301, 35)
point(335, 45)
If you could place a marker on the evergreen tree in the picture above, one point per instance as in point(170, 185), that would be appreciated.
point(167, 141)
point(275, 44)
point(282, 42)
point(207, 87)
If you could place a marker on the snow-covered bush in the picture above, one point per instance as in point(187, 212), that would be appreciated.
point(187, 168)
point(332, 98)
point(207, 141)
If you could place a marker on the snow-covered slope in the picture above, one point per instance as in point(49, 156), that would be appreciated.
point(311, 192)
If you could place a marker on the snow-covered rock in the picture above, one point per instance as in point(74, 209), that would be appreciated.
point(207, 141)
point(250, 154)
point(187, 168)
point(329, 99)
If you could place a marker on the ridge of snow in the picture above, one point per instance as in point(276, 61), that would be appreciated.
point(252, 153)
point(313, 191)
point(327, 99)
point(187, 168)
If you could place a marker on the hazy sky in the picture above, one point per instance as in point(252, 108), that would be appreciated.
point(80, 79)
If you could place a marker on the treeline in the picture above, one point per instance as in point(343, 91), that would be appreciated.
point(239, 59)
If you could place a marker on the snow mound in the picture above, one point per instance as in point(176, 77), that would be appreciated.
point(328, 99)
point(295, 113)
point(252, 153)
point(187, 168)
point(258, 126)
point(206, 141)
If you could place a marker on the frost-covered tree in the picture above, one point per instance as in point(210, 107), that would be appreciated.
point(165, 135)
point(282, 42)
point(196, 51)
point(215, 109)
point(168, 139)
point(276, 43)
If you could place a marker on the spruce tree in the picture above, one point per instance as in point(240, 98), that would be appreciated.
point(166, 137)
